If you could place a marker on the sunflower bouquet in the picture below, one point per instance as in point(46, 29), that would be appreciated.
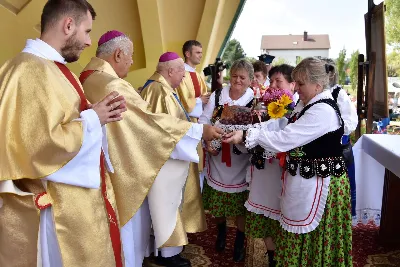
point(273, 104)
point(279, 102)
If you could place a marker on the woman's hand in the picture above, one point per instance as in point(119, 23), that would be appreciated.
point(233, 137)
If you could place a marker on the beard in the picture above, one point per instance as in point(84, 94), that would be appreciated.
point(72, 49)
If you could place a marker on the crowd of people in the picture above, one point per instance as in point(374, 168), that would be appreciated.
point(96, 173)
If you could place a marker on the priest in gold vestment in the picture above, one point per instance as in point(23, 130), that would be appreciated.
point(160, 92)
point(193, 95)
point(139, 146)
point(56, 209)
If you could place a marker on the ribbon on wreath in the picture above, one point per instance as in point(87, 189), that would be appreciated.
point(258, 113)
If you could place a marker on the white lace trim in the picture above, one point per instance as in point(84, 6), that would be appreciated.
point(227, 128)
point(251, 137)
point(216, 144)
point(269, 154)
point(224, 97)
point(367, 216)
point(260, 211)
point(233, 127)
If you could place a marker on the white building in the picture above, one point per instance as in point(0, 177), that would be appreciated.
point(291, 48)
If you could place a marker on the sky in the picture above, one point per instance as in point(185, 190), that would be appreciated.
point(343, 20)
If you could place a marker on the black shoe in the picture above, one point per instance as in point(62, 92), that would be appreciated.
point(239, 251)
point(239, 255)
point(270, 255)
point(221, 237)
point(175, 261)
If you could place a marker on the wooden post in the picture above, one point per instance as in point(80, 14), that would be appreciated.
point(371, 92)
point(360, 95)
point(389, 234)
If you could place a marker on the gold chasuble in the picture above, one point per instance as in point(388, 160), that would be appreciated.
point(139, 145)
point(39, 134)
point(163, 99)
point(191, 87)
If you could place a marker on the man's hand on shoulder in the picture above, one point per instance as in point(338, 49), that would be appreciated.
point(110, 108)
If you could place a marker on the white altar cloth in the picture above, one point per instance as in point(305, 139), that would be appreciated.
point(372, 154)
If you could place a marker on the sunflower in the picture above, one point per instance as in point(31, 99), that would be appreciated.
point(285, 100)
point(276, 110)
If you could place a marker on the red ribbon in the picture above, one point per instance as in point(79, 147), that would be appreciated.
point(282, 162)
point(112, 217)
point(84, 75)
point(226, 154)
point(196, 84)
point(226, 151)
point(282, 159)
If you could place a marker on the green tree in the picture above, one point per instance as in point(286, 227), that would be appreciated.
point(392, 72)
point(279, 61)
point(233, 51)
point(353, 65)
point(251, 59)
point(341, 66)
point(298, 59)
point(393, 22)
point(393, 63)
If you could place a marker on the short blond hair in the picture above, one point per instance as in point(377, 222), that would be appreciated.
point(243, 64)
point(312, 70)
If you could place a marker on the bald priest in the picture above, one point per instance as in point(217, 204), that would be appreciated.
point(143, 149)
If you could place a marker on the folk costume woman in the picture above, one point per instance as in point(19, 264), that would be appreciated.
point(315, 205)
point(350, 118)
point(261, 80)
point(263, 204)
point(224, 192)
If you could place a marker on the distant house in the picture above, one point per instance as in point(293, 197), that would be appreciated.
point(291, 48)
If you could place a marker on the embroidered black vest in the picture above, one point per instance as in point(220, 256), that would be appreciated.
point(323, 156)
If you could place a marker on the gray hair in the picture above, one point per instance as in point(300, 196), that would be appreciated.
point(243, 64)
point(108, 48)
point(312, 70)
point(162, 66)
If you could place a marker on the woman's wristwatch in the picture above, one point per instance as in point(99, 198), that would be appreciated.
point(244, 136)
